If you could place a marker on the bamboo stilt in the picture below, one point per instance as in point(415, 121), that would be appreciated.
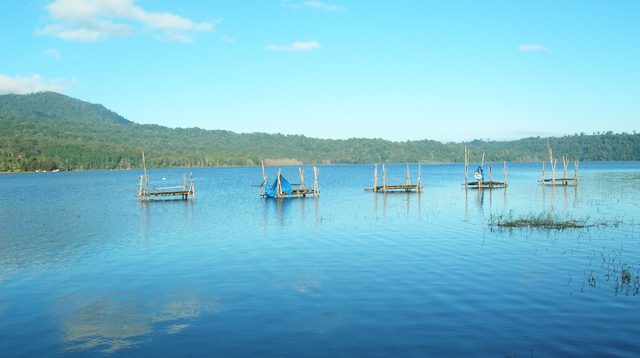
point(146, 177)
point(482, 177)
point(419, 185)
point(316, 172)
point(264, 174)
point(192, 187)
point(407, 180)
point(504, 172)
point(279, 184)
point(301, 171)
point(552, 163)
point(375, 177)
point(466, 167)
point(384, 178)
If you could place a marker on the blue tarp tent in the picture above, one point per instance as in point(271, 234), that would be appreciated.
point(272, 190)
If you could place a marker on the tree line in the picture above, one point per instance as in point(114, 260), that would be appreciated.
point(48, 131)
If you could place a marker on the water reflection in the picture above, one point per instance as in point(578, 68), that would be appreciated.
point(411, 201)
point(284, 211)
point(154, 212)
point(481, 196)
point(110, 322)
point(567, 193)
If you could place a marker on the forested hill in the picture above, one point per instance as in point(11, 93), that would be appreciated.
point(50, 105)
point(49, 130)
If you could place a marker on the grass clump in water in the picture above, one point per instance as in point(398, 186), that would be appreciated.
point(546, 220)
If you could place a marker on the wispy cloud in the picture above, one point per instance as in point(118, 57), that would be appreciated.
point(52, 53)
point(228, 39)
point(24, 85)
point(312, 4)
point(94, 20)
point(295, 47)
point(533, 48)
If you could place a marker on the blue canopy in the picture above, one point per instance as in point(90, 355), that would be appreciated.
point(272, 190)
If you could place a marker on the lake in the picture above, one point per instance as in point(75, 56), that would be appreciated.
point(87, 269)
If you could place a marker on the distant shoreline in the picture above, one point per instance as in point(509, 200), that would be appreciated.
point(297, 165)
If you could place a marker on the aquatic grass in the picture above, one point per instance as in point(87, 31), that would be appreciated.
point(546, 220)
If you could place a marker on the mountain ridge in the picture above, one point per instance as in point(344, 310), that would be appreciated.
point(53, 131)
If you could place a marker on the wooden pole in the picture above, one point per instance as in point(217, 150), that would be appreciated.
point(553, 172)
point(419, 185)
point(384, 178)
point(575, 171)
point(192, 188)
point(565, 162)
point(466, 167)
point(482, 177)
point(542, 176)
point(408, 176)
point(279, 184)
point(301, 171)
point(375, 177)
point(316, 189)
point(146, 177)
point(490, 172)
point(140, 189)
point(504, 172)
point(184, 182)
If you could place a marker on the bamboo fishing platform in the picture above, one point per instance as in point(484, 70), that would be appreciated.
point(281, 188)
point(480, 183)
point(183, 191)
point(386, 187)
point(565, 179)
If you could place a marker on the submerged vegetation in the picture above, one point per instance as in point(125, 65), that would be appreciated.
point(46, 131)
point(545, 220)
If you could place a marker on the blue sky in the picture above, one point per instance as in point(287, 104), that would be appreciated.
point(399, 70)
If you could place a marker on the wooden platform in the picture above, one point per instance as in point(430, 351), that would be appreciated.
point(303, 192)
point(486, 185)
point(297, 190)
point(480, 183)
point(396, 188)
point(296, 193)
point(560, 181)
point(565, 179)
point(185, 191)
point(386, 187)
point(183, 194)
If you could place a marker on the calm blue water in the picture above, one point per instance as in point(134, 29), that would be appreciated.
point(86, 269)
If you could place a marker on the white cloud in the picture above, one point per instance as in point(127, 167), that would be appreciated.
point(319, 5)
point(295, 47)
point(94, 20)
point(311, 4)
point(53, 53)
point(24, 85)
point(228, 39)
point(533, 48)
